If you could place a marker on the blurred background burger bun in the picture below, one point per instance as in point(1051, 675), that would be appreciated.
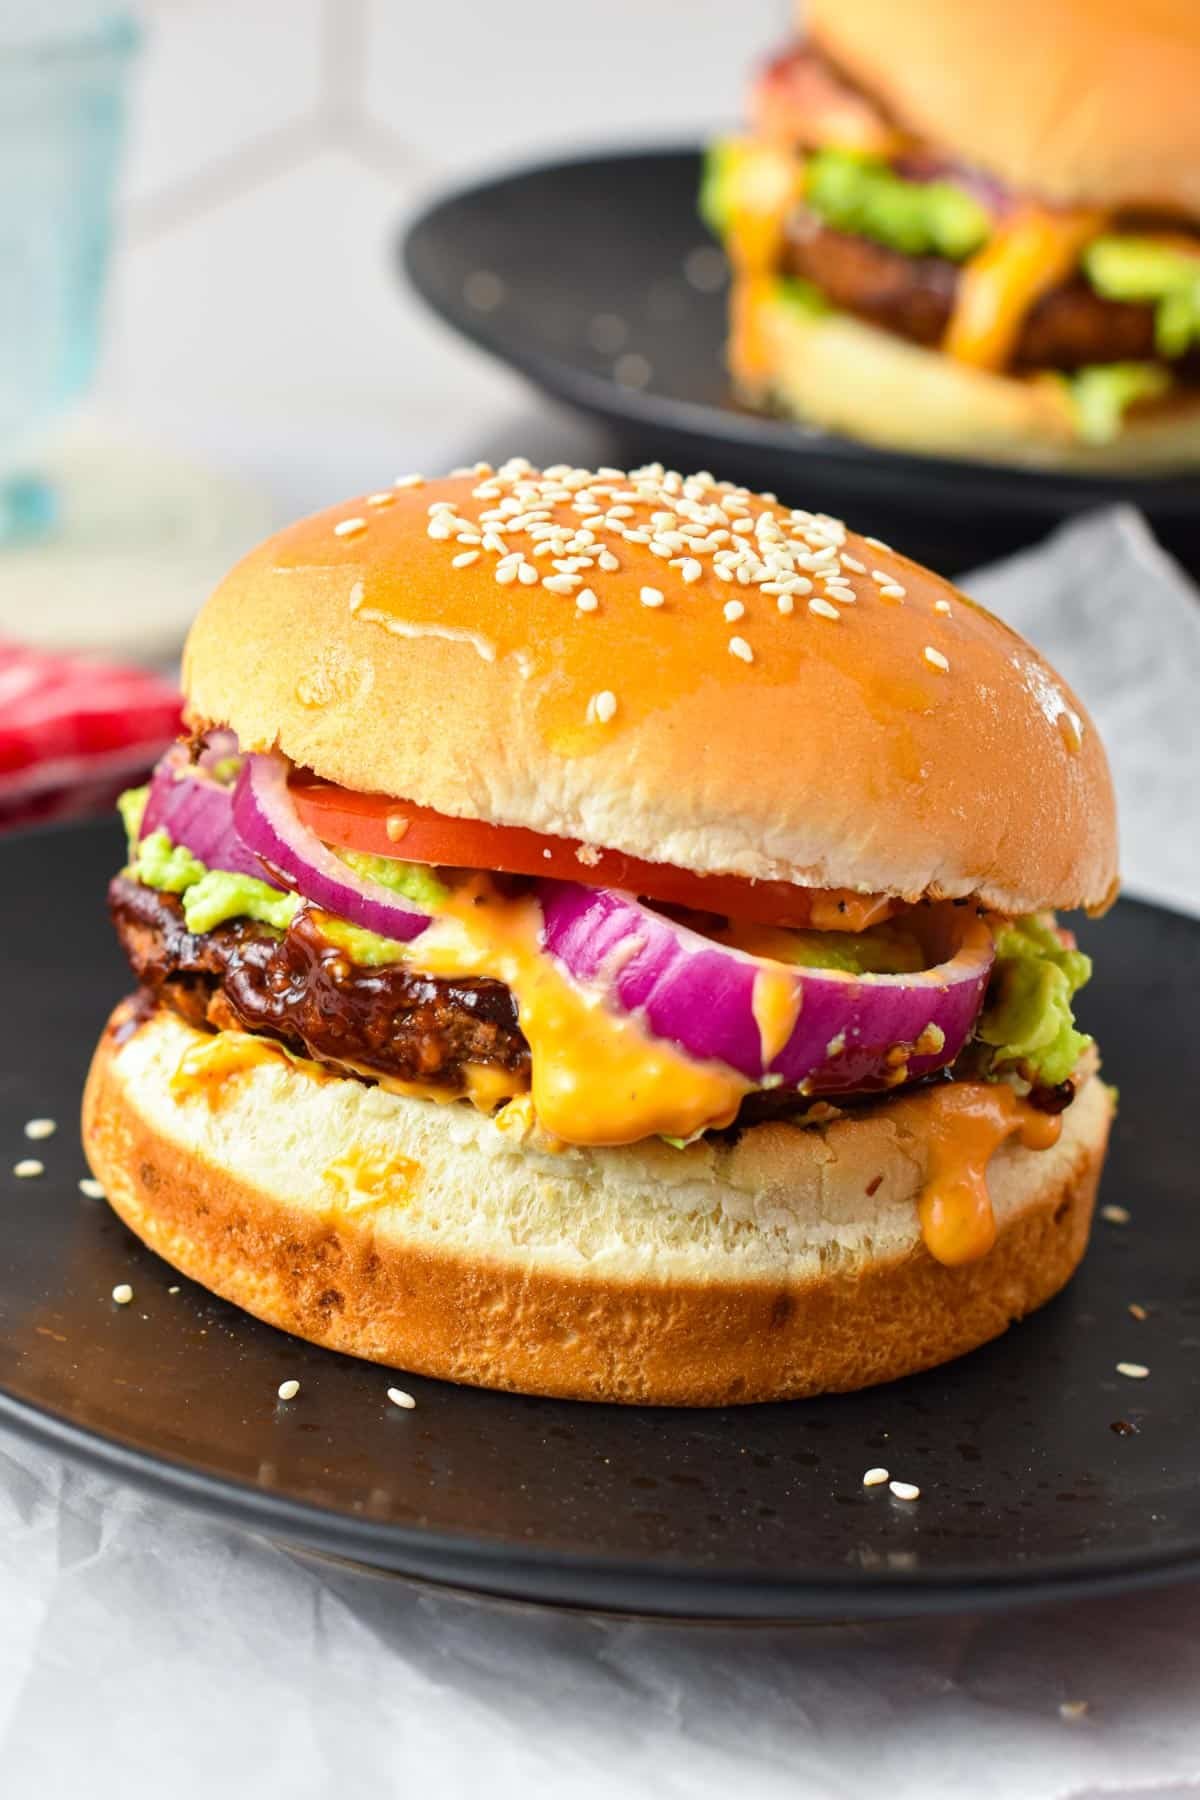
point(1093, 102)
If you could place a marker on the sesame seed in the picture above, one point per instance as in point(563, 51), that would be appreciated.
point(349, 527)
point(892, 591)
point(935, 659)
point(172, 1290)
point(852, 562)
point(439, 527)
point(1116, 1215)
point(287, 1390)
point(91, 1188)
point(879, 544)
point(690, 569)
point(904, 1490)
point(409, 481)
point(608, 562)
point(785, 603)
point(734, 610)
point(122, 1293)
point(527, 575)
point(1135, 1371)
point(28, 1168)
point(942, 606)
point(586, 600)
point(40, 1128)
point(740, 648)
point(561, 584)
point(384, 499)
point(1070, 1710)
point(399, 1398)
point(1136, 1311)
point(651, 596)
point(602, 707)
point(875, 1478)
point(823, 608)
point(464, 559)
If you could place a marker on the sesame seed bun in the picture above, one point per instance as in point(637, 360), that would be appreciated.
point(837, 371)
point(883, 734)
point(1079, 101)
point(785, 1264)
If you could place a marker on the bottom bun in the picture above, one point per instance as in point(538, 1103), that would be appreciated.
point(429, 1238)
point(833, 370)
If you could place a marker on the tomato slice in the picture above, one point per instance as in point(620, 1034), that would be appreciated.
point(381, 827)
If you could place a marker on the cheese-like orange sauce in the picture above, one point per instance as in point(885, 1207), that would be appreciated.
point(775, 1002)
point(206, 1067)
point(962, 1125)
point(597, 1076)
point(1033, 252)
point(366, 1178)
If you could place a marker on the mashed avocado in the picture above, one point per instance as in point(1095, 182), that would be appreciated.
point(1101, 394)
point(367, 948)
point(158, 863)
point(887, 950)
point(132, 807)
point(219, 896)
point(1027, 1018)
point(862, 195)
point(1142, 269)
point(414, 881)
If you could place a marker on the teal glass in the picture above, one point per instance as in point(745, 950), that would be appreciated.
point(64, 68)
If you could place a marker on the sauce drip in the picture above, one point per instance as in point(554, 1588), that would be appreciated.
point(205, 1067)
point(365, 1178)
point(597, 1077)
point(963, 1124)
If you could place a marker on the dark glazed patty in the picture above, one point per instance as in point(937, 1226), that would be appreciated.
point(913, 296)
point(299, 988)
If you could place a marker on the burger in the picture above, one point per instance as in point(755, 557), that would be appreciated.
point(597, 940)
point(974, 232)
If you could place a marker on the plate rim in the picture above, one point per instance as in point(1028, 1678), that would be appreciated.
point(1009, 484)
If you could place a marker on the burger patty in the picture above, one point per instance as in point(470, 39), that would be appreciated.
point(299, 988)
point(1067, 328)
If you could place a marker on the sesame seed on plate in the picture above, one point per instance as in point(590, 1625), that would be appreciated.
point(1115, 1215)
point(409, 481)
point(734, 610)
point(823, 608)
point(122, 1293)
point(1136, 1311)
point(740, 648)
point(399, 1398)
point(904, 1490)
point(91, 1188)
point(28, 1168)
point(349, 527)
point(875, 1478)
point(287, 1390)
point(1071, 1710)
point(651, 596)
point(1134, 1371)
point(935, 659)
point(40, 1128)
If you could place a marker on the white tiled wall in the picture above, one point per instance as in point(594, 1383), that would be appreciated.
point(255, 315)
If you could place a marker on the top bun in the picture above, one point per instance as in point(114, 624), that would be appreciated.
point(1093, 102)
point(869, 728)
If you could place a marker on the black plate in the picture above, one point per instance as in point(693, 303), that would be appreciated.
point(749, 1513)
point(583, 275)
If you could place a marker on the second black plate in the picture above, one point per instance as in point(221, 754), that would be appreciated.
point(596, 279)
point(752, 1513)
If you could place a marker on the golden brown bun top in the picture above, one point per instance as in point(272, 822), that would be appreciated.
point(1088, 101)
point(869, 727)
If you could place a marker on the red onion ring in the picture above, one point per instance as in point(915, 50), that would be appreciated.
point(851, 1031)
point(270, 828)
point(196, 810)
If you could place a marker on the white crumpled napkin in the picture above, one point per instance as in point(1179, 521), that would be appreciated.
point(145, 1651)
